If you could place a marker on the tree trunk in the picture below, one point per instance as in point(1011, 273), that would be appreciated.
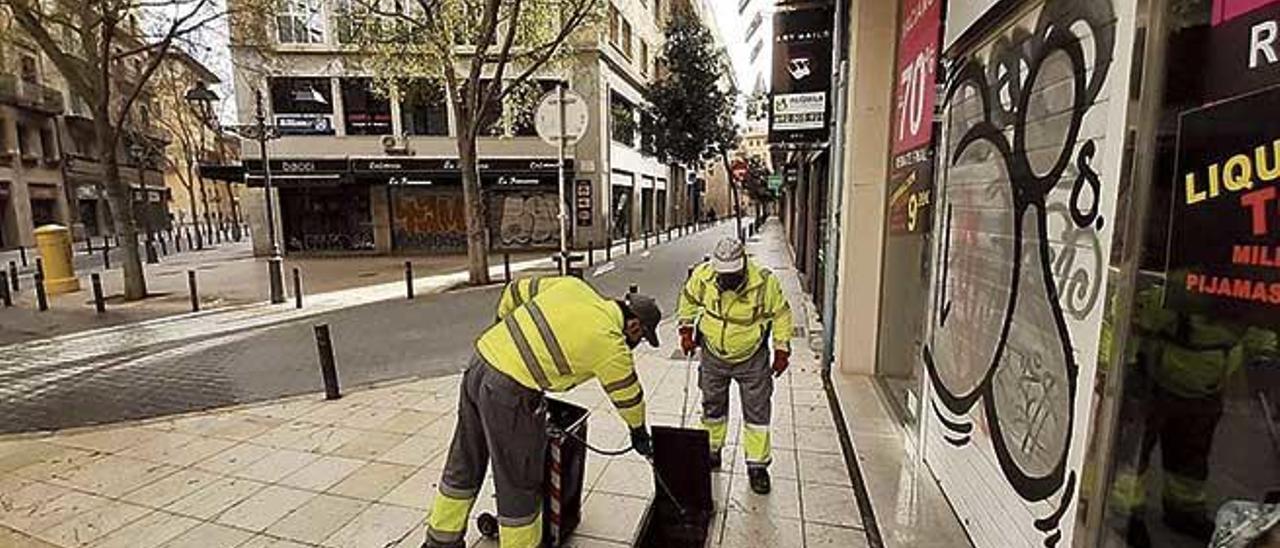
point(120, 196)
point(473, 202)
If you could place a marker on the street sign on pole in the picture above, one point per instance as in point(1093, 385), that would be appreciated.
point(561, 120)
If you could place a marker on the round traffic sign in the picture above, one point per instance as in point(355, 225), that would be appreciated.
point(547, 118)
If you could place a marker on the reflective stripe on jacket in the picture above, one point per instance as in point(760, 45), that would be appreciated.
point(522, 290)
point(734, 323)
point(563, 336)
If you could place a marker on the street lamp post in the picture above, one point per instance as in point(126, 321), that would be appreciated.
point(263, 133)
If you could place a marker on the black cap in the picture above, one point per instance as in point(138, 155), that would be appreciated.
point(646, 310)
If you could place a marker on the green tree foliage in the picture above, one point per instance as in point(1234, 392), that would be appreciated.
point(486, 55)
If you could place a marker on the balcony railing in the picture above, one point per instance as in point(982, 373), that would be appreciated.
point(18, 92)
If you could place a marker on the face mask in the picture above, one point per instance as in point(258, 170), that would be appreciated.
point(730, 281)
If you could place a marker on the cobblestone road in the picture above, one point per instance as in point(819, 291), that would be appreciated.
point(259, 352)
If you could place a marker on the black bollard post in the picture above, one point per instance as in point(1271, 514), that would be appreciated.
point(22, 252)
point(88, 245)
point(42, 299)
point(98, 303)
point(646, 239)
point(591, 253)
point(328, 369)
point(688, 273)
point(13, 276)
point(195, 294)
point(608, 251)
point(164, 247)
point(190, 243)
point(177, 242)
point(5, 295)
point(408, 279)
point(627, 249)
point(106, 258)
point(506, 267)
point(297, 288)
point(40, 266)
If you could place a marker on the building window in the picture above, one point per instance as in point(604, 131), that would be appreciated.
point(623, 120)
point(300, 22)
point(615, 25)
point(424, 108)
point(30, 69)
point(302, 106)
point(365, 111)
point(644, 58)
point(657, 12)
point(46, 143)
point(648, 144)
point(626, 38)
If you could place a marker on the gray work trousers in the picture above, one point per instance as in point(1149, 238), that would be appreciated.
point(755, 388)
point(500, 420)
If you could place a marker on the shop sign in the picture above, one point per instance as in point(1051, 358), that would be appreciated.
point(583, 203)
point(1224, 237)
point(775, 183)
point(1243, 48)
point(910, 208)
point(304, 124)
point(801, 75)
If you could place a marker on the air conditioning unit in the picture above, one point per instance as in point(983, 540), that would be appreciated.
point(394, 144)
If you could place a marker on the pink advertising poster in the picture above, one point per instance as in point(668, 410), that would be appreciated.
point(917, 62)
point(1226, 10)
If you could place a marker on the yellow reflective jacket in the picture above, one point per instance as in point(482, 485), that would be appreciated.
point(521, 290)
point(1192, 355)
point(562, 337)
point(734, 324)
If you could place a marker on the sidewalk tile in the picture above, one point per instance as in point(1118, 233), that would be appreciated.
point(152, 530)
point(54, 468)
point(322, 473)
point(830, 505)
point(584, 542)
point(378, 525)
point(276, 465)
point(628, 478)
point(94, 524)
point(160, 444)
point(113, 476)
point(367, 418)
point(416, 450)
point(818, 440)
point(825, 536)
point(15, 455)
point(372, 481)
point(415, 492)
point(293, 435)
point(243, 426)
point(330, 412)
point(265, 507)
point(741, 529)
point(285, 410)
point(235, 458)
point(264, 541)
point(210, 535)
point(408, 422)
point(370, 445)
point(164, 492)
point(782, 502)
point(612, 517)
point(215, 498)
point(325, 439)
point(317, 519)
point(32, 509)
point(783, 466)
point(824, 468)
point(193, 452)
point(112, 440)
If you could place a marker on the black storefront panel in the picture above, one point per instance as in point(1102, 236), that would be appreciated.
point(326, 219)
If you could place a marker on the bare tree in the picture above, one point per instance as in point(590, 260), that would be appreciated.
point(482, 53)
point(189, 131)
point(107, 51)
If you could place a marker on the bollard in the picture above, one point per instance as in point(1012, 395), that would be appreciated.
point(106, 258)
point(190, 243)
point(627, 249)
point(608, 251)
point(13, 276)
point(195, 295)
point(633, 289)
point(40, 266)
point(177, 242)
point(98, 303)
point(42, 299)
point(506, 267)
point(408, 279)
point(591, 253)
point(297, 288)
point(88, 245)
point(5, 295)
point(688, 273)
point(328, 369)
point(646, 239)
point(164, 247)
point(22, 252)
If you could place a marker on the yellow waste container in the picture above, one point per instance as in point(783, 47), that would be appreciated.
point(54, 242)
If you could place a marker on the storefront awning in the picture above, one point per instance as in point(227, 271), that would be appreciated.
point(494, 172)
point(233, 173)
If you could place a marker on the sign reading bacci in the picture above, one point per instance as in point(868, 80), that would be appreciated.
point(1224, 236)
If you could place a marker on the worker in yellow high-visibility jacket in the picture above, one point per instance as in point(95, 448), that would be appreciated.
point(551, 341)
point(737, 307)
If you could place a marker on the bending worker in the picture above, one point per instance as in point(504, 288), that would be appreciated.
point(551, 336)
point(735, 306)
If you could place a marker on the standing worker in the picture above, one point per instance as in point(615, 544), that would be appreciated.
point(735, 305)
point(551, 336)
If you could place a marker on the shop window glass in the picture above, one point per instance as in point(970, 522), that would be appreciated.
point(424, 108)
point(622, 119)
point(365, 110)
point(302, 106)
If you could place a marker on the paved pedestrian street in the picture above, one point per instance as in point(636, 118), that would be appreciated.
point(361, 470)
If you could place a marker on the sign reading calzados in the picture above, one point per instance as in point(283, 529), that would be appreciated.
point(1224, 242)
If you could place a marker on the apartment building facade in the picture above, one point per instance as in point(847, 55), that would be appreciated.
point(358, 171)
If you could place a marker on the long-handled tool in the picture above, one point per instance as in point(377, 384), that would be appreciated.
point(617, 452)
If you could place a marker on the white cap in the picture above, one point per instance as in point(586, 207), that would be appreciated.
point(729, 256)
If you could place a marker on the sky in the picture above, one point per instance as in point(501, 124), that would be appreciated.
point(732, 26)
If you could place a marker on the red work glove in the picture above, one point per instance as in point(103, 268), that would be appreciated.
point(687, 343)
point(781, 360)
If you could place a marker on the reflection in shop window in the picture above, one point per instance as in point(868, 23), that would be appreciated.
point(366, 111)
point(424, 108)
point(302, 106)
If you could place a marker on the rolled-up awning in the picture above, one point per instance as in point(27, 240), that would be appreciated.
point(231, 173)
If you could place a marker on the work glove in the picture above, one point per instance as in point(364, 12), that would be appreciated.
point(641, 442)
point(781, 360)
point(687, 344)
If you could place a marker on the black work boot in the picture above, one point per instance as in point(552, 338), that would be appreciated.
point(1192, 524)
point(715, 460)
point(759, 480)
